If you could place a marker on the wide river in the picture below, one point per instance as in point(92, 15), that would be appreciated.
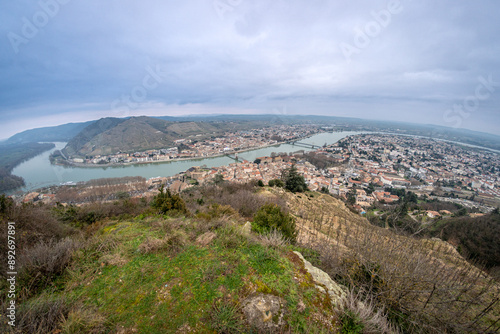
point(38, 172)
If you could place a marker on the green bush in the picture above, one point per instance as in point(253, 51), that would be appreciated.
point(276, 183)
point(165, 202)
point(351, 324)
point(270, 217)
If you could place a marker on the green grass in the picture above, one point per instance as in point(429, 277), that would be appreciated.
point(201, 287)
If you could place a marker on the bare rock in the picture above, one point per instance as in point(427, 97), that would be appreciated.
point(301, 307)
point(246, 229)
point(206, 238)
point(265, 312)
point(324, 282)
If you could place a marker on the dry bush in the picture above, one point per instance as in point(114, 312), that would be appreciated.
point(39, 266)
point(242, 197)
point(272, 239)
point(81, 216)
point(42, 316)
point(84, 321)
point(34, 224)
point(114, 260)
point(176, 242)
point(172, 244)
point(373, 320)
point(203, 225)
point(152, 245)
point(423, 284)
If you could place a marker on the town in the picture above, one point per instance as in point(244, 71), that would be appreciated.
point(194, 148)
point(369, 166)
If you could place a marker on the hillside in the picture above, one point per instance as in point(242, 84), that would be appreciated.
point(477, 238)
point(111, 135)
point(61, 133)
point(136, 266)
point(12, 155)
point(78, 142)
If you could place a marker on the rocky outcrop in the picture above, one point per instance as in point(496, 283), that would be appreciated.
point(264, 312)
point(324, 282)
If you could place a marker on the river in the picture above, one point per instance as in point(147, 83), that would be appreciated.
point(38, 172)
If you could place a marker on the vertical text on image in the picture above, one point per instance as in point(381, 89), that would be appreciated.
point(11, 273)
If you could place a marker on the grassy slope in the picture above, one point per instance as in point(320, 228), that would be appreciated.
point(148, 274)
point(182, 284)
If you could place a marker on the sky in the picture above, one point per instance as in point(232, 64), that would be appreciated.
point(431, 62)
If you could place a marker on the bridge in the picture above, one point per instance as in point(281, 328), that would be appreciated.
point(298, 143)
point(234, 157)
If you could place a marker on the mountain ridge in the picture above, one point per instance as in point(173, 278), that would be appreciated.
point(112, 135)
point(67, 132)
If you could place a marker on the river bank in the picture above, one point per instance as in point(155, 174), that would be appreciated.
point(68, 163)
point(38, 172)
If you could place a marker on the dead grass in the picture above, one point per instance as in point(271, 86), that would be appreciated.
point(41, 265)
point(424, 284)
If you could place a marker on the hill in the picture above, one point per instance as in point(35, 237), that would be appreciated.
point(61, 133)
point(111, 135)
point(477, 238)
point(135, 266)
point(81, 139)
point(12, 155)
point(241, 122)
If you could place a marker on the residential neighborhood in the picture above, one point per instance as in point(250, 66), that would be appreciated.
point(368, 164)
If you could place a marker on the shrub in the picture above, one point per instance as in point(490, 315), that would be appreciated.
point(361, 316)
point(270, 217)
point(151, 245)
point(165, 202)
point(218, 211)
point(242, 197)
point(351, 324)
point(276, 183)
point(84, 321)
point(42, 315)
point(273, 239)
point(42, 264)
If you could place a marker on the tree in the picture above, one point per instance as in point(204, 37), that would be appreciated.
point(351, 196)
point(218, 178)
point(293, 180)
point(260, 183)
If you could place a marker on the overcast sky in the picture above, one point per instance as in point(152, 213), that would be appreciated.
point(432, 62)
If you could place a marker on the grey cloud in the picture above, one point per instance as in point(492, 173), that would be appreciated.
point(258, 55)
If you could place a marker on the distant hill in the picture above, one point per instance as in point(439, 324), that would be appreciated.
point(61, 133)
point(67, 132)
point(78, 142)
point(12, 155)
point(112, 135)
